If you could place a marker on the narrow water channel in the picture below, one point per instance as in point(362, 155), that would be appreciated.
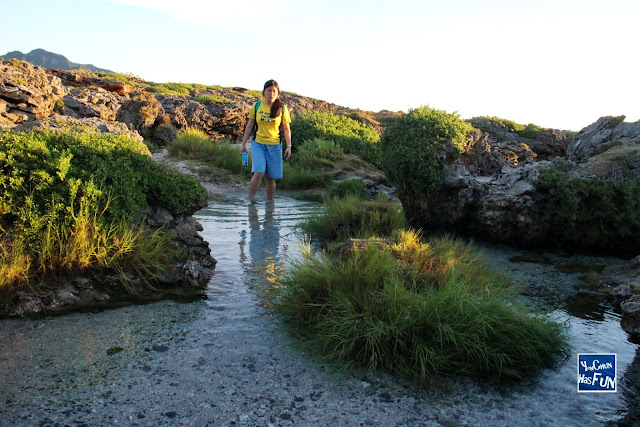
point(224, 361)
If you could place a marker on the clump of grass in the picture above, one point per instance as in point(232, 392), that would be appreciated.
point(306, 168)
point(301, 177)
point(195, 144)
point(351, 217)
point(83, 240)
point(415, 309)
point(353, 136)
point(212, 99)
point(348, 187)
point(317, 153)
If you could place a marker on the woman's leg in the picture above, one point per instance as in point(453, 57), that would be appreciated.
point(254, 184)
point(271, 187)
point(259, 166)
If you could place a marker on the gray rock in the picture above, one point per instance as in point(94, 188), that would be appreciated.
point(631, 315)
point(602, 135)
point(28, 88)
point(91, 102)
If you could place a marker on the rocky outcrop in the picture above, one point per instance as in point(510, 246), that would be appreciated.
point(604, 134)
point(145, 114)
point(494, 191)
point(27, 92)
point(80, 79)
point(547, 145)
point(218, 120)
point(94, 102)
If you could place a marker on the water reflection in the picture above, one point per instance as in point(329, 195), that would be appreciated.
point(263, 242)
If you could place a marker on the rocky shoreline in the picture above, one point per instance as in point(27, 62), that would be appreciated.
point(97, 290)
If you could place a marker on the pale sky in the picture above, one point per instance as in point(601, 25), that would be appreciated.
point(556, 63)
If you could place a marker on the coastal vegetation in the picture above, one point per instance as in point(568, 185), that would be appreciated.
point(70, 200)
point(410, 145)
point(408, 305)
point(309, 168)
point(609, 209)
point(353, 136)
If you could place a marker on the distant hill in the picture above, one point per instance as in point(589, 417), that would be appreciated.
point(47, 59)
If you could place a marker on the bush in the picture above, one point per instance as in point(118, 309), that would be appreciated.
point(531, 131)
point(68, 200)
point(41, 169)
point(415, 309)
point(354, 137)
point(410, 146)
point(316, 153)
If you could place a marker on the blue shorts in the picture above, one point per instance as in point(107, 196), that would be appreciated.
point(266, 159)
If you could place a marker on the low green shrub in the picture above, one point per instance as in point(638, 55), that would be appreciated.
point(128, 78)
point(352, 136)
point(180, 89)
point(351, 217)
point(415, 309)
point(410, 146)
point(42, 168)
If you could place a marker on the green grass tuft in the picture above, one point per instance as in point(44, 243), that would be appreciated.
point(349, 187)
point(350, 217)
point(415, 309)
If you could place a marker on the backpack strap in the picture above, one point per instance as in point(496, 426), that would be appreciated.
point(255, 113)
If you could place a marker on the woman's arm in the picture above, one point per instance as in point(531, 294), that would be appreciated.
point(247, 134)
point(287, 139)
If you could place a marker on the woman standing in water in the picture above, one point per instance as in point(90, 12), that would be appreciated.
point(270, 114)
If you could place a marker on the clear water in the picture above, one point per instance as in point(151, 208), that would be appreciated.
point(173, 355)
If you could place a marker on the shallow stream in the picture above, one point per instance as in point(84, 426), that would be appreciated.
point(224, 361)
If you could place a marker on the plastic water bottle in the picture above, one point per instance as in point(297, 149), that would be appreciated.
point(245, 159)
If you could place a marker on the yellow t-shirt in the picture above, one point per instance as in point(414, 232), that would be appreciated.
point(268, 128)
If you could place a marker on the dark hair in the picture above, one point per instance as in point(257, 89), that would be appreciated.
point(277, 104)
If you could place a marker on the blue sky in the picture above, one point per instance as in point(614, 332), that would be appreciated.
point(556, 63)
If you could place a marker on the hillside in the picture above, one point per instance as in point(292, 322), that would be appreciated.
point(48, 59)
